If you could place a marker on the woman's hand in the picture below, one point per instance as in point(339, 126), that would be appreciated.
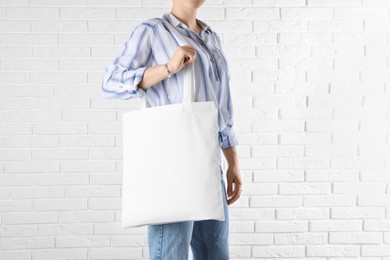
point(183, 55)
point(233, 177)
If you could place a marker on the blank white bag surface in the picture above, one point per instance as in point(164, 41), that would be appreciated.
point(171, 164)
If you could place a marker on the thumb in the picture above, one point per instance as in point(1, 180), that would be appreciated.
point(229, 188)
point(187, 60)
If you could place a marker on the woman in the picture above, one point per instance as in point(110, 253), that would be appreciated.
point(148, 64)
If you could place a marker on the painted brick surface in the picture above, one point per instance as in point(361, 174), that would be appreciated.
point(311, 91)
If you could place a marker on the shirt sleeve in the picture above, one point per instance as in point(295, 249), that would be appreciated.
point(228, 139)
point(227, 135)
point(219, 45)
point(125, 71)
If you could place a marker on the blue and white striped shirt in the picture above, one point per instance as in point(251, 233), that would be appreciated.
point(151, 44)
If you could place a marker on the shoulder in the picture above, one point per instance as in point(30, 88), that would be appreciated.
point(147, 26)
point(215, 35)
point(152, 25)
point(152, 22)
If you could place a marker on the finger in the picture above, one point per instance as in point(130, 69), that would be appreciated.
point(236, 193)
point(187, 59)
point(188, 49)
point(190, 60)
point(191, 47)
point(190, 52)
point(234, 198)
point(232, 195)
point(229, 188)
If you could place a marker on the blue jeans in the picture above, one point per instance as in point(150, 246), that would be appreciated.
point(208, 238)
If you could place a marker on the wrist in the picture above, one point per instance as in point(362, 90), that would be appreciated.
point(168, 72)
point(230, 156)
point(232, 163)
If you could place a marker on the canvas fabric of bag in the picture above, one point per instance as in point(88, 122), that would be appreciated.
point(172, 160)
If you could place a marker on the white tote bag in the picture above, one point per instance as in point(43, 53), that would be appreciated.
point(171, 161)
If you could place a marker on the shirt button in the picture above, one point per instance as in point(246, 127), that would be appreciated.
point(169, 97)
point(202, 42)
point(212, 59)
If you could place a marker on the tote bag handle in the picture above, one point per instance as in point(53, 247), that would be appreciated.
point(189, 74)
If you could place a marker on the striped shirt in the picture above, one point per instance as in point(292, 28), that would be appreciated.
point(150, 44)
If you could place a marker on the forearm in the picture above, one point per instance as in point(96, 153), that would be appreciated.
point(153, 75)
point(231, 156)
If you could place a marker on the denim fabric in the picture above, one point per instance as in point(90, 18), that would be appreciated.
point(208, 239)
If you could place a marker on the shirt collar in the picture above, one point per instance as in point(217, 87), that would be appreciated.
point(175, 22)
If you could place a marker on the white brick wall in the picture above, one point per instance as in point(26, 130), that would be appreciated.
point(311, 93)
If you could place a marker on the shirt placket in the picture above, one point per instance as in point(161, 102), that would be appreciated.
point(205, 42)
point(212, 59)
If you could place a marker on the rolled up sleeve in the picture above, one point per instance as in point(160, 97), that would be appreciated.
point(227, 135)
point(228, 139)
point(125, 71)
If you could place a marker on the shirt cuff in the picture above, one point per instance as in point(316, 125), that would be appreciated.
point(229, 139)
point(133, 89)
